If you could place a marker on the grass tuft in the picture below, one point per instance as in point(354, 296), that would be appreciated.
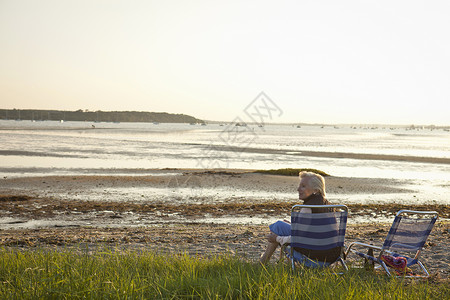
point(107, 274)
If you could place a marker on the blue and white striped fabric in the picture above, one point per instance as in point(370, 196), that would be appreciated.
point(318, 231)
point(408, 234)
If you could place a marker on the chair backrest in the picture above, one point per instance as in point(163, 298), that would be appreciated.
point(318, 231)
point(410, 230)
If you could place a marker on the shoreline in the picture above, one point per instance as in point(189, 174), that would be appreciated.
point(21, 210)
point(175, 210)
point(195, 186)
point(192, 195)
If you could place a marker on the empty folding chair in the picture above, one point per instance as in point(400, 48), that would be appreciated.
point(403, 244)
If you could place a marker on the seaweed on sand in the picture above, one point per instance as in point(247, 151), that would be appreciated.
point(291, 172)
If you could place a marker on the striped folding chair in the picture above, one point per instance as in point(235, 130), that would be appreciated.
point(403, 244)
point(317, 239)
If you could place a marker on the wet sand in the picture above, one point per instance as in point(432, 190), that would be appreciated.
point(363, 156)
point(183, 185)
point(236, 149)
point(61, 211)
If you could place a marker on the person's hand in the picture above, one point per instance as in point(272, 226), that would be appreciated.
point(272, 237)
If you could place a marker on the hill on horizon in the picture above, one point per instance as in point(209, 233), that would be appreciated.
point(96, 116)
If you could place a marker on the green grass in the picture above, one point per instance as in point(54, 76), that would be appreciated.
point(290, 172)
point(105, 274)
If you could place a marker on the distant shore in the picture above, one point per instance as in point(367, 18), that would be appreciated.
point(95, 116)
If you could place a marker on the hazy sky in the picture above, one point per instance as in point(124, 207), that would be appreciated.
point(319, 61)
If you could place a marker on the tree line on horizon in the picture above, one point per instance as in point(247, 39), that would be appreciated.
point(96, 116)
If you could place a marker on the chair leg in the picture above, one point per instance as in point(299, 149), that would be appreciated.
point(385, 267)
point(343, 263)
point(423, 268)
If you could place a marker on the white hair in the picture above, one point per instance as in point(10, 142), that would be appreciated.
point(315, 181)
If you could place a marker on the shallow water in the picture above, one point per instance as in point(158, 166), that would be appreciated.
point(76, 145)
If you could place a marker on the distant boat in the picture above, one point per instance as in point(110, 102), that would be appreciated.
point(61, 121)
point(156, 123)
point(203, 124)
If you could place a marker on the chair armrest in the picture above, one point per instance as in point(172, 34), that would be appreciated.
point(368, 246)
point(361, 245)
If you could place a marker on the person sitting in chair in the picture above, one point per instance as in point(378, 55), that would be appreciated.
point(311, 190)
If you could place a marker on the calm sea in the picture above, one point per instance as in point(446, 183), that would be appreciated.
point(48, 147)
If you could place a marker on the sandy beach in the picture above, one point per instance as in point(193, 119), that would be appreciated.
point(173, 210)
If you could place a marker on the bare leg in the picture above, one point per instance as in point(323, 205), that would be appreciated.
point(268, 253)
